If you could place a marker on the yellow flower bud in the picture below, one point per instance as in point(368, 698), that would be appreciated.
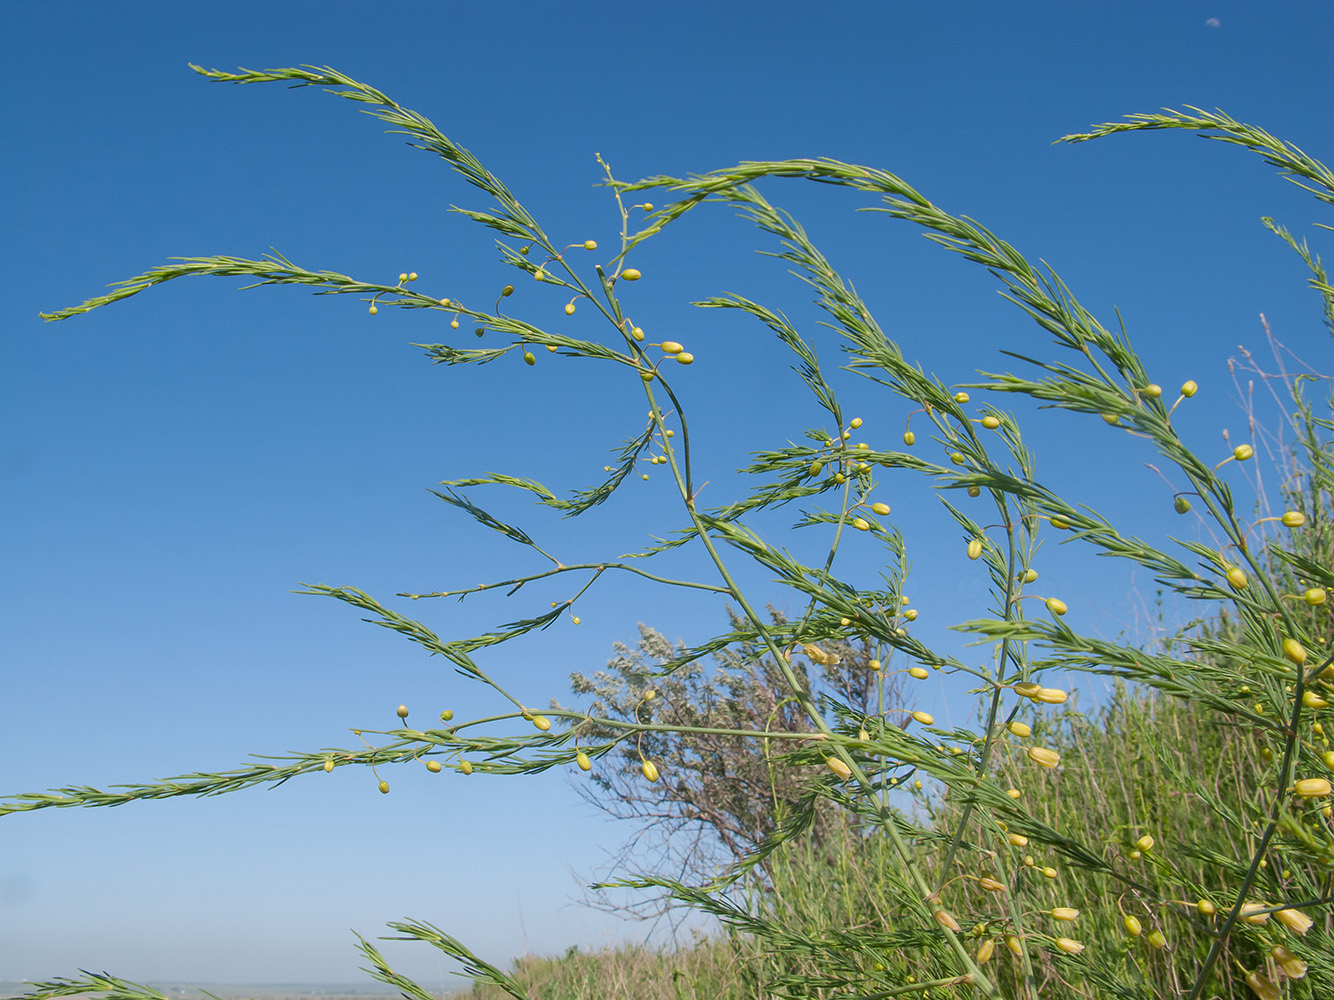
point(569, 309)
point(1145, 843)
point(454, 324)
point(1295, 920)
point(1021, 729)
point(1294, 651)
point(1189, 389)
point(880, 508)
point(1293, 519)
point(1059, 522)
point(1312, 700)
point(1263, 987)
point(985, 950)
point(1314, 596)
point(590, 244)
point(1013, 793)
point(1292, 966)
point(650, 770)
point(957, 457)
point(1153, 391)
point(1056, 607)
point(1110, 418)
point(908, 438)
point(402, 711)
point(671, 347)
point(433, 766)
point(1312, 788)
point(1242, 452)
point(924, 718)
point(944, 918)
point(974, 548)
point(1158, 939)
point(1206, 908)
point(328, 766)
point(839, 768)
point(1250, 916)
point(855, 422)
point(374, 310)
point(528, 358)
point(637, 333)
point(541, 722)
point(466, 767)
point(921, 673)
point(1052, 696)
point(631, 274)
point(990, 884)
point(1016, 839)
point(1181, 505)
point(1012, 942)
point(1069, 945)
point(384, 788)
point(910, 614)
point(1028, 576)
point(1043, 756)
point(990, 422)
point(1049, 872)
point(446, 715)
point(1236, 577)
point(1027, 689)
point(1065, 913)
point(1132, 926)
point(582, 760)
point(861, 524)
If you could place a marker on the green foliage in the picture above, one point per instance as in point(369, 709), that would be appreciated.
point(1228, 785)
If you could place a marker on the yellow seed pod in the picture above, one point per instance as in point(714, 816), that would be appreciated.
point(433, 766)
point(1293, 519)
point(1158, 939)
point(1056, 607)
point(671, 347)
point(637, 333)
point(1262, 986)
point(924, 718)
point(1236, 577)
point(1132, 926)
point(945, 919)
point(908, 438)
point(1292, 966)
point(974, 548)
point(1312, 700)
point(880, 508)
point(861, 524)
point(1312, 788)
point(631, 274)
point(920, 673)
point(1294, 651)
point(1314, 597)
point(650, 770)
point(910, 614)
point(582, 760)
point(541, 722)
point(384, 788)
point(569, 309)
point(374, 310)
point(1050, 872)
point(590, 244)
point(985, 950)
point(1043, 756)
point(1066, 913)
point(466, 767)
point(1189, 389)
point(1152, 390)
point(855, 422)
point(328, 765)
point(402, 711)
point(1145, 843)
point(1242, 452)
point(1016, 839)
point(1052, 696)
point(1069, 945)
point(1295, 920)
point(1013, 793)
point(990, 422)
point(1014, 944)
point(838, 767)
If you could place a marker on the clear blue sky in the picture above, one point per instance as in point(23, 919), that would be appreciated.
point(175, 465)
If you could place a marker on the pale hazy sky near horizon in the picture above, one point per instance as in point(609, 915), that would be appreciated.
point(175, 465)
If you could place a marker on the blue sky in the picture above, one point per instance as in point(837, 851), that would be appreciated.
point(175, 465)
